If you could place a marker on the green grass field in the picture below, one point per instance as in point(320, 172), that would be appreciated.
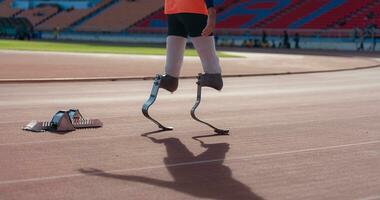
point(88, 48)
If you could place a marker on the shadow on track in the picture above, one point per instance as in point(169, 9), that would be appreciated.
point(202, 176)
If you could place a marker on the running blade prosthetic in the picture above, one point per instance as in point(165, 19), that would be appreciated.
point(151, 100)
point(197, 102)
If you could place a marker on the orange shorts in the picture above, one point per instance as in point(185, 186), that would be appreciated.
point(185, 6)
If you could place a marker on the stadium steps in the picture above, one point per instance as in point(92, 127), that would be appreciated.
point(66, 18)
point(352, 15)
point(17, 13)
point(6, 10)
point(47, 18)
point(127, 12)
point(91, 15)
point(292, 6)
point(38, 14)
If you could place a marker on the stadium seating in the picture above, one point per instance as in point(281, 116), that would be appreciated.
point(275, 15)
point(123, 15)
point(340, 12)
point(221, 5)
point(361, 20)
point(317, 13)
point(158, 19)
point(39, 14)
point(304, 8)
point(285, 14)
point(245, 14)
point(127, 12)
point(67, 18)
point(6, 10)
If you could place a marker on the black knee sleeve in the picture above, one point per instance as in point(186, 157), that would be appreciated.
point(211, 80)
point(169, 83)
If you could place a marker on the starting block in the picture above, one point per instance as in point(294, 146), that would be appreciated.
point(64, 121)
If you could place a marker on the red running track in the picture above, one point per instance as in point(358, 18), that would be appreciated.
point(312, 136)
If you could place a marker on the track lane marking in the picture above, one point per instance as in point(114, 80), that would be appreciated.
point(193, 163)
point(181, 131)
point(371, 198)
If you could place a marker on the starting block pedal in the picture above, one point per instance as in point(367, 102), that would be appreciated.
point(64, 121)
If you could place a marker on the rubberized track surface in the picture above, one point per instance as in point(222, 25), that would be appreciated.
point(23, 65)
point(311, 136)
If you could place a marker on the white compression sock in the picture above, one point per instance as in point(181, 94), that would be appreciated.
point(175, 48)
point(205, 47)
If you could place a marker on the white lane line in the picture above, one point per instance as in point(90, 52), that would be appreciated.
point(192, 163)
point(256, 56)
point(97, 55)
point(182, 131)
point(6, 103)
point(371, 198)
point(66, 140)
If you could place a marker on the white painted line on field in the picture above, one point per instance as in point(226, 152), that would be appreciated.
point(193, 163)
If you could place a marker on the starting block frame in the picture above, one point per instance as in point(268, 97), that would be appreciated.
point(64, 121)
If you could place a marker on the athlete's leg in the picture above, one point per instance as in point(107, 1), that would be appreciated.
point(205, 47)
point(176, 42)
point(175, 48)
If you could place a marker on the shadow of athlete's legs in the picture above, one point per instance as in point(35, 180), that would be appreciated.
point(202, 176)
